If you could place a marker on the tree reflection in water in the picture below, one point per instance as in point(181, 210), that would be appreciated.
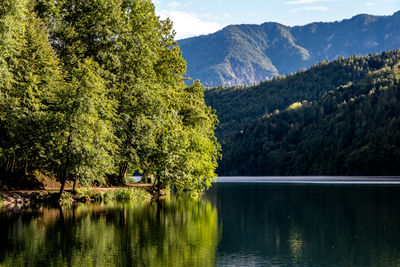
point(172, 232)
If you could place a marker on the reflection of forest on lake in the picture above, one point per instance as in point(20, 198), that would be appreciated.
point(230, 225)
point(308, 225)
point(173, 232)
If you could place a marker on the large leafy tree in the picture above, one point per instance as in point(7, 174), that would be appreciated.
point(85, 137)
point(28, 92)
point(53, 119)
point(143, 68)
point(124, 38)
point(11, 29)
point(186, 151)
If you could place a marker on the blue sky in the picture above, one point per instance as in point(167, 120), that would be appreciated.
point(196, 17)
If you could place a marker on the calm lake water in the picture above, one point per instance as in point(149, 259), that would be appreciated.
point(233, 224)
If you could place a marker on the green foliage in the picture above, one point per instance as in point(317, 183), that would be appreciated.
point(128, 194)
point(239, 106)
point(185, 151)
point(143, 68)
point(248, 54)
point(26, 112)
point(11, 29)
point(295, 105)
point(95, 88)
point(86, 137)
point(351, 130)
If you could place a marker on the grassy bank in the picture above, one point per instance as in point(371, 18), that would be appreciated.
point(24, 198)
point(91, 194)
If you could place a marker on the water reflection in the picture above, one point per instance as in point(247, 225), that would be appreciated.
point(173, 232)
point(306, 225)
point(231, 225)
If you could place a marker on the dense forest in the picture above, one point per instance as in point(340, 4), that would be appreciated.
point(353, 129)
point(94, 89)
point(238, 106)
point(248, 53)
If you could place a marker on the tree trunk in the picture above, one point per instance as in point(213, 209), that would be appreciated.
point(13, 163)
point(64, 179)
point(65, 174)
point(26, 167)
point(123, 168)
point(74, 186)
point(40, 171)
point(7, 167)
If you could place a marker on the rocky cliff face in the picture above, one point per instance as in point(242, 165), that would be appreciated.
point(247, 54)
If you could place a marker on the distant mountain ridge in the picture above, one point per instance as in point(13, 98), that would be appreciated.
point(247, 54)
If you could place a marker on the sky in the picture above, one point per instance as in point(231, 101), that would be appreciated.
point(197, 17)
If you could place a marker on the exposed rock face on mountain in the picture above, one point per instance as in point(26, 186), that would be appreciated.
point(247, 54)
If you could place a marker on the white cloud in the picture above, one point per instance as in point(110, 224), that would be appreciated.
point(309, 8)
point(174, 4)
point(190, 24)
point(302, 2)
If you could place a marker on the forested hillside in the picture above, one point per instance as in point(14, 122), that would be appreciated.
point(94, 89)
point(353, 129)
point(239, 106)
point(248, 54)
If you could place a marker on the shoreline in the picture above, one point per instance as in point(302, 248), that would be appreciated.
point(18, 199)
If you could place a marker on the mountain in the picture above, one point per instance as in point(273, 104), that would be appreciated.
point(351, 127)
point(248, 54)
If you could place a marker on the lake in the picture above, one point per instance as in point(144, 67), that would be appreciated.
point(258, 223)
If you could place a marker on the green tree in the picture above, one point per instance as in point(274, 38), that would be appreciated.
point(11, 29)
point(27, 98)
point(86, 140)
point(143, 69)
